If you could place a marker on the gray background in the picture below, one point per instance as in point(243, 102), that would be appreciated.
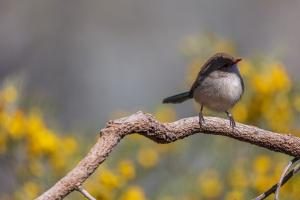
point(85, 59)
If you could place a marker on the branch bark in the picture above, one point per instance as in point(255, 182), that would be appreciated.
point(148, 126)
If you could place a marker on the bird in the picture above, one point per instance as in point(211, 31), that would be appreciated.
point(218, 86)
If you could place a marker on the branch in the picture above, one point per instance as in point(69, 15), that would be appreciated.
point(286, 169)
point(285, 179)
point(85, 193)
point(149, 127)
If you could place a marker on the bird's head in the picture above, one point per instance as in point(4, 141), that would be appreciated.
point(225, 60)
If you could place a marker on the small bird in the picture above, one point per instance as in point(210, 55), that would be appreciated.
point(218, 86)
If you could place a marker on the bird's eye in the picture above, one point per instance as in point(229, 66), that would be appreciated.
point(224, 66)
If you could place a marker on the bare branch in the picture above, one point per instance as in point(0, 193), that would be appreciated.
point(149, 127)
point(85, 193)
point(285, 179)
point(286, 169)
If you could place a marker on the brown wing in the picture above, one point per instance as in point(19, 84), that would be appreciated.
point(215, 62)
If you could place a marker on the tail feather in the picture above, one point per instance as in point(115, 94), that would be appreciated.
point(178, 98)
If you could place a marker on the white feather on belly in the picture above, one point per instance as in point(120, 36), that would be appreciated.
point(219, 94)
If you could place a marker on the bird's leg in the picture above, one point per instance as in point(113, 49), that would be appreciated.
point(232, 122)
point(201, 118)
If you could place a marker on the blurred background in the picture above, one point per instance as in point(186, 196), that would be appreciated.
point(67, 67)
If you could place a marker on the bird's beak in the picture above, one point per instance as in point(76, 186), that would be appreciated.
point(237, 60)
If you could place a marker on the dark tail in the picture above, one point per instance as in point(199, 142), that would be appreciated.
point(178, 98)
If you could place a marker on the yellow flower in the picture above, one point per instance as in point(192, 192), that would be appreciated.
point(261, 83)
point(240, 112)
point(224, 45)
point(35, 123)
point(147, 157)
point(44, 142)
point(126, 169)
point(165, 114)
point(36, 168)
point(238, 178)
point(58, 161)
point(210, 184)
point(133, 193)
point(30, 190)
point(262, 182)
point(193, 70)
point(234, 195)
point(108, 179)
point(16, 127)
point(69, 145)
point(245, 68)
point(262, 164)
point(280, 79)
point(9, 94)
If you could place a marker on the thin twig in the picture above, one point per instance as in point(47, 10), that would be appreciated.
point(85, 193)
point(272, 189)
point(282, 177)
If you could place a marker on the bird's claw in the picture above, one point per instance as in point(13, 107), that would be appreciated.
point(232, 122)
point(201, 120)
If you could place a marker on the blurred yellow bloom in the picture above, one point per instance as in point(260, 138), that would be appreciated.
point(126, 169)
point(262, 164)
point(240, 112)
point(280, 79)
point(147, 157)
point(16, 127)
point(211, 186)
point(262, 182)
point(58, 161)
point(69, 144)
point(272, 80)
point(133, 193)
point(104, 193)
point(237, 178)
point(165, 114)
point(35, 123)
point(224, 46)
point(245, 68)
point(43, 142)
point(109, 179)
point(9, 94)
point(261, 83)
point(30, 190)
point(36, 168)
point(234, 195)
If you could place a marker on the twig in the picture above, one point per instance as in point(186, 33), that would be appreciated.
point(149, 127)
point(272, 189)
point(85, 193)
point(282, 176)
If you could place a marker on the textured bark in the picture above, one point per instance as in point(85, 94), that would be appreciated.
point(149, 127)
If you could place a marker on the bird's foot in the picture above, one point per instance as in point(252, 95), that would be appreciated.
point(201, 119)
point(231, 120)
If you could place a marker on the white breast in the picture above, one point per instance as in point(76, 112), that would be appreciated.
point(220, 93)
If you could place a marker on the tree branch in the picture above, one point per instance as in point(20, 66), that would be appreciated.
point(149, 127)
point(284, 180)
point(85, 193)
